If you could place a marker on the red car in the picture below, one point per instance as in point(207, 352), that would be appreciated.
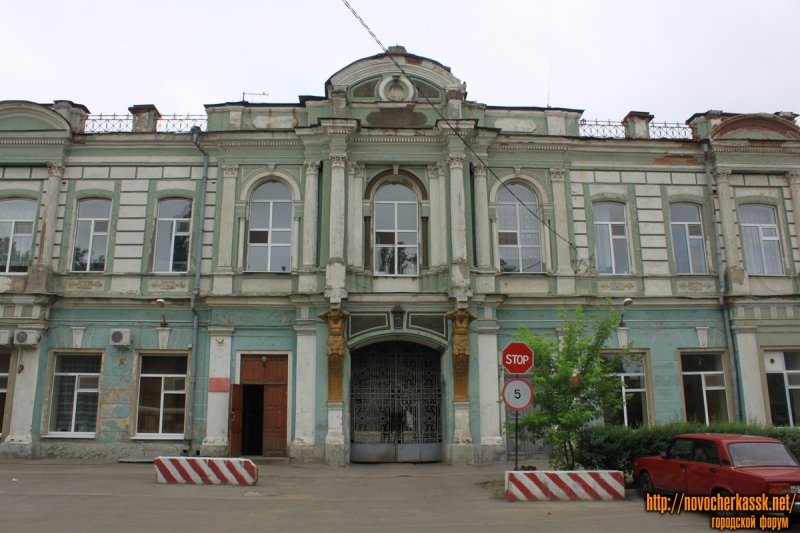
point(708, 463)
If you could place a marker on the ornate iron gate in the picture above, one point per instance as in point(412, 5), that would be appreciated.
point(395, 403)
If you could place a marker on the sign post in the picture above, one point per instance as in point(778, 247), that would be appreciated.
point(518, 396)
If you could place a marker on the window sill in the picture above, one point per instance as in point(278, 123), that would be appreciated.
point(90, 273)
point(524, 273)
point(391, 276)
point(13, 273)
point(168, 273)
point(159, 436)
point(70, 436)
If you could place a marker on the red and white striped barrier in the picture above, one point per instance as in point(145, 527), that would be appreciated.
point(206, 471)
point(559, 485)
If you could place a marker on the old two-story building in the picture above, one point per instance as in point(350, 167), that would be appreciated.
point(333, 280)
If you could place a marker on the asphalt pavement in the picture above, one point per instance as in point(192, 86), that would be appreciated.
point(87, 496)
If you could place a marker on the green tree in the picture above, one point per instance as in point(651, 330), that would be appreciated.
point(573, 382)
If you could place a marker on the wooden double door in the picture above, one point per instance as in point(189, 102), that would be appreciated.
point(258, 413)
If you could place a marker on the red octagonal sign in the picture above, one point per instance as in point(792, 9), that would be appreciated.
point(517, 358)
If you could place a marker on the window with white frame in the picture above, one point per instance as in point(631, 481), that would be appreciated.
point(16, 234)
point(761, 241)
point(162, 395)
point(688, 243)
point(173, 234)
point(91, 236)
point(269, 243)
point(396, 231)
point(518, 230)
point(633, 389)
point(704, 391)
point(610, 239)
point(5, 362)
point(76, 383)
point(783, 387)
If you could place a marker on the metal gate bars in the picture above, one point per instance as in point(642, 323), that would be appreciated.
point(395, 403)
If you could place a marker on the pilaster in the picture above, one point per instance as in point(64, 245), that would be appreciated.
point(564, 271)
point(793, 177)
point(335, 270)
point(459, 268)
point(19, 442)
point(492, 442)
point(39, 275)
point(223, 277)
point(355, 234)
point(308, 276)
point(216, 441)
point(302, 447)
point(736, 273)
point(755, 409)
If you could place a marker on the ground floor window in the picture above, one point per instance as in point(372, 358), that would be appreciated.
point(76, 381)
point(704, 390)
point(633, 389)
point(162, 395)
point(783, 386)
point(5, 362)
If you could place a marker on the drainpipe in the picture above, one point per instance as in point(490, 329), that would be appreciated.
point(196, 292)
point(732, 353)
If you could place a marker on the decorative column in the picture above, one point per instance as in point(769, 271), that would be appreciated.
point(308, 281)
point(355, 230)
point(19, 442)
point(565, 273)
point(461, 451)
point(737, 274)
point(459, 268)
point(482, 217)
point(302, 447)
point(223, 277)
point(39, 276)
point(335, 270)
point(755, 410)
point(436, 209)
point(492, 442)
point(216, 441)
point(793, 177)
point(336, 449)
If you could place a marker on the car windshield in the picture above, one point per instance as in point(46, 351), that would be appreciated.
point(761, 454)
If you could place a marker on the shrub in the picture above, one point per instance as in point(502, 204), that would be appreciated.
point(616, 447)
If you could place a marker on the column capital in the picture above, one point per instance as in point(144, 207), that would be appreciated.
point(557, 174)
point(435, 170)
point(456, 160)
point(338, 160)
point(357, 168)
point(312, 167)
point(230, 170)
point(480, 169)
point(55, 169)
point(722, 175)
point(793, 176)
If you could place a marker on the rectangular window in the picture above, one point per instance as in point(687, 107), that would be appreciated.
point(688, 244)
point(16, 234)
point(611, 239)
point(5, 362)
point(761, 241)
point(783, 387)
point(76, 381)
point(633, 389)
point(91, 236)
point(173, 234)
point(162, 395)
point(704, 390)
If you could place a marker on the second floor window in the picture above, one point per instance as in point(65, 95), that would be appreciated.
point(91, 236)
point(688, 244)
point(761, 241)
point(611, 239)
point(269, 243)
point(396, 231)
point(173, 234)
point(518, 230)
point(16, 234)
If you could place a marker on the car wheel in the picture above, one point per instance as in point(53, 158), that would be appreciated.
point(724, 514)
point(645, 484)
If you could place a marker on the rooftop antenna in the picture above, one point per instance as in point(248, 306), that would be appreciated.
point(244, 95)
point(549, 79)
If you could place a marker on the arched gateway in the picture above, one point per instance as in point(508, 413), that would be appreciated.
point(395, 403)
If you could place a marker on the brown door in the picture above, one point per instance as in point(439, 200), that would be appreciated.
point(236, 417)
point(271, 371)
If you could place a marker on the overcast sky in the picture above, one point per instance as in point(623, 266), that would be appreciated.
point(671, 58)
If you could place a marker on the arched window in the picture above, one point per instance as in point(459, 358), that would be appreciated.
point(16, 234)
point(91, 236)
point(519, 231)
point(269, 242)
point(688, 243)
point(396, 231)
point(173, 235)
point(761, 240)
point(611, 239)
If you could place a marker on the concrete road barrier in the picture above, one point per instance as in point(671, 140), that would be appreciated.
point(206, 471)
point(585, 485)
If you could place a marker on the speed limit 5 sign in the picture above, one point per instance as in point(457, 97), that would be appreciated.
point(517, 394)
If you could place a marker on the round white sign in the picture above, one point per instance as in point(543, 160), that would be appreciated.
point(518, 394)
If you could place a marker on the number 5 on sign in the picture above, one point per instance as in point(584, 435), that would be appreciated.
point(517, 394)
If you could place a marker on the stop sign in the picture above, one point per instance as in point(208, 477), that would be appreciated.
point(517, 358)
